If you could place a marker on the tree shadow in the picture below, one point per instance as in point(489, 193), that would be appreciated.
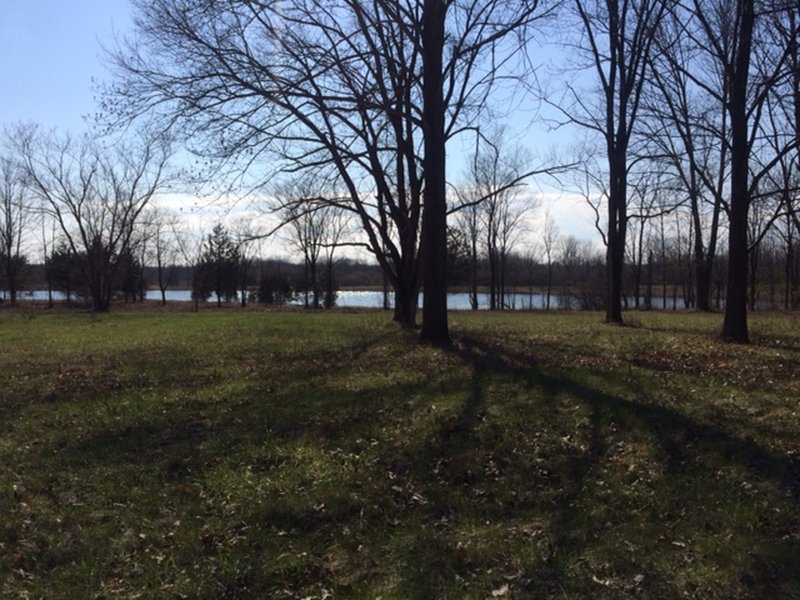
point(681, 438)
point(395, 518)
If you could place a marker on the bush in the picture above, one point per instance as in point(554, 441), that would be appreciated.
point(274, 289)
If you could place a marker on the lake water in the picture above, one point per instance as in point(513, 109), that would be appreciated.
point(345, 298)
point(374, 299)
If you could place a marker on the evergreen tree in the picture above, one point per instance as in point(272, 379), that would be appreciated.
point(274, 289)
point(63, 271)
point(218, 269)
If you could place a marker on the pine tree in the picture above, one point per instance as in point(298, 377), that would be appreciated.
point(217, 271)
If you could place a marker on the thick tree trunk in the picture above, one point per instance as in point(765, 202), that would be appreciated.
point(734, 327)
point(434, 217)
point(615, 256)
point(617, 210)
point(405, 306)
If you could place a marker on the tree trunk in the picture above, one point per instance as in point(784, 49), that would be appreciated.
point(329, 291)
point(434, 217)
point(473, 274)
point(734, 327)
point(735, 323)
point(549, 282)
point(405, 306)
point(617, 227)
point(614, 262)
point(161, 286)
point(703, 277)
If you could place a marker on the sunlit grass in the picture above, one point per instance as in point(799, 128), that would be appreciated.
point(227, 454)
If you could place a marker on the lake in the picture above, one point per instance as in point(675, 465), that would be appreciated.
point(374, 299)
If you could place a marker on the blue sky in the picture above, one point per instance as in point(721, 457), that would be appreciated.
point(49, 52)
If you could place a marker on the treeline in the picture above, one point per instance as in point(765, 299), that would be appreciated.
point(661, 277)
point(103, 240)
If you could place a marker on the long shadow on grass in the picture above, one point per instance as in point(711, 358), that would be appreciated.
point(680, 437)
point(672, 428)
point(393, 519)
point(411, 522)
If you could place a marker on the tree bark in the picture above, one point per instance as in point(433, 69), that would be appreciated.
point(734, 327)
point(434, 217)
point(617, 226)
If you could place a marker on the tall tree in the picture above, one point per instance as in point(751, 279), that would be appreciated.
point(752, 68)
point(434, 223)
point(497, 174)
point(468, 223)
point(549, 241)
point(316, 223)
point(370, 91)
point(163, 248)
point(689, 128)
point(616, 38)
point(15, 218)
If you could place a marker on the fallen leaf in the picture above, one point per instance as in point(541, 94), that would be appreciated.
point(501, 591)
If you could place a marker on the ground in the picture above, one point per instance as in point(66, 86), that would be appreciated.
point(227, 454)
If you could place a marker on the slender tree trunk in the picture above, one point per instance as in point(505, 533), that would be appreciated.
point(549, 282)
point(329, 291)
point(434, 217)
point(753, 256)
point(789, 265)
point(161, 286)
point(617, 226)
point(473, 274)
point(648, 300)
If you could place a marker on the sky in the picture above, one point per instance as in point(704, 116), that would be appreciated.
point(51, 52)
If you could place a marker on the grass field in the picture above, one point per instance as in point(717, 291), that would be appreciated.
point(291, 455)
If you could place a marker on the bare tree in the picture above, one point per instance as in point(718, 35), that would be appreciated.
point(491, 206)
point(718, 72)
point(550, 239)
point(336, 234)
point(616, 38)
point(15, 218)
point(316, 224)
point(96, 196)
point(248, 243)
point(688, 126)
point(163, 249)
point(731, 33)
point(468, 222)
point(368, 91)
point(190, 245)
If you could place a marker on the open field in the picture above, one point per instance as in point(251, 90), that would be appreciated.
point(292, 455)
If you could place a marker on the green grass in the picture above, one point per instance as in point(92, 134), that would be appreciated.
point(291, 455)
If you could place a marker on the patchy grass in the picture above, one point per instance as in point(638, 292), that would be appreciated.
point(290, 455)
